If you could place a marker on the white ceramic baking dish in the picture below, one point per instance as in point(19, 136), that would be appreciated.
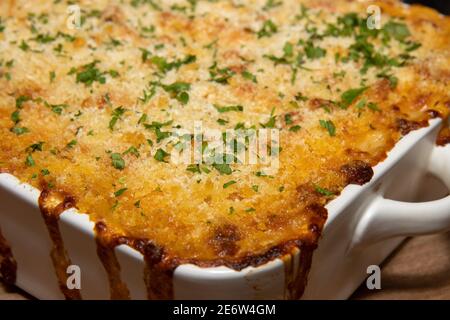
point(362, 229)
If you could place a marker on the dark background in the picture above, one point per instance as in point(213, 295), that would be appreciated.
point(442, 5)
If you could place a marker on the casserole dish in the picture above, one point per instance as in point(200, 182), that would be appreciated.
point(362, 229)
point(266, 116)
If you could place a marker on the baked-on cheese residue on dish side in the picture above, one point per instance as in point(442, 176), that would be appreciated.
point(85, 114)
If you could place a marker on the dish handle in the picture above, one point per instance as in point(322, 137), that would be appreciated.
point(385, 218)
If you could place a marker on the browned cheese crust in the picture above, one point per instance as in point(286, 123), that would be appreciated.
point(86, 111)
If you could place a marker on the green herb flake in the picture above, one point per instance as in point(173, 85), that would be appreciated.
point(349, 96)
point(132, 150)
point(19, 130)
point(249, 76)
point(89, 73)
point(160, 155)
point(223, 168)
point(229, 183)
point(329, 126)
point(225, 109)
point(396, 30)
point(52, 76)
point(71, 144)
point(118, 193)
point(194, 168)
point(35, 147)
point(267, 29)
point(29, 161)
point(116, 115)
point(324, 191)
point(15, 116)
point(21, 100)
point(222, 122)
point(373, 106)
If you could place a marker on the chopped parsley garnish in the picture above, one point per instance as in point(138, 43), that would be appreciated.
point(160, 155)
point(132, 150)
point(223, 168)
point(229, 183)
point(351, 95)
point(300, 97)
point(71, 144)
point(163, 65)
point(288, 119)
point(267, 29)
point(116, 115)
point(89, 73)
point(249, 76)
point(295, 61)
point(52, 76)
point(393, 80)
point(15, 116)
point(148, 93)
point(194, 168)
point(396, 30)
point(56, 108)
point(117, 161)
point(143, 118)
point(152, 3)
point(35, 147)
point(156, 126)
point(44, 38)
point(220, 75)
point(19, 130)
point(411, 46)
point(178, 90)
point(313, 52)
point(183, 97)
point(161, 135)
point(270, 4)
point(222, 122)
point(271, 122)
point(324, 191)
point(29, 161)
point(21, 100)
point(24, 46)
point(329, 126)
point(225, 109)
point(373, 106)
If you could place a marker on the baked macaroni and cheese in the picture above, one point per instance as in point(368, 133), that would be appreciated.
point(98, 98)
